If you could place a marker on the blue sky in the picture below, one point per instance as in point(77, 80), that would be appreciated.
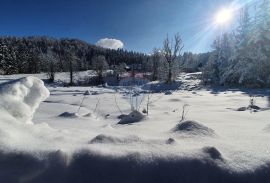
point(140, 24)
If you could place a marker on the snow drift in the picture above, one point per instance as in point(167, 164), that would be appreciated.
point(113, 139)
point(20, 98)
point(193, 128)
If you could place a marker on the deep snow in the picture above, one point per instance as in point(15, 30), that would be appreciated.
point(92, 147)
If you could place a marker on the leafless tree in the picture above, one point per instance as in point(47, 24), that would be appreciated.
point(99, 64)
point(49, 60)
point(171, 50)
point(72, 59)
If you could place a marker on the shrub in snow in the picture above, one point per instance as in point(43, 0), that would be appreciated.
point(133, 117)
point(252, 107)
point(252, 104)
point(193, 128)
point(133, 91)
point(20, 98)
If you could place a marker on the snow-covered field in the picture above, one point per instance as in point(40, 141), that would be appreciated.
point(67, 143)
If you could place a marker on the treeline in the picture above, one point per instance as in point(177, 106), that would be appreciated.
point(242, 57)
point(40, 54)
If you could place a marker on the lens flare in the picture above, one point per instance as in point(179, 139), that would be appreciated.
point(224, 16)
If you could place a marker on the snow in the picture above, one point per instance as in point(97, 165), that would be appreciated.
point(39, 146)
point(193, 128)
point(21, 98)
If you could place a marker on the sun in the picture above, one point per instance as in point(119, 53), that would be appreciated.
point(224, 16)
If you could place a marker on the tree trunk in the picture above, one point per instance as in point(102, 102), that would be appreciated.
point(100, 79)
point(169, 80)
point(71, 72)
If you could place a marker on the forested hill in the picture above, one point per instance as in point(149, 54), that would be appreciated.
point(26, 54)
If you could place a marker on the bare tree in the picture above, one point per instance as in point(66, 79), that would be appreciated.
point(72, 59)
point(171, 50)
point(49, 60)
point(99, 64)
point(71, 69)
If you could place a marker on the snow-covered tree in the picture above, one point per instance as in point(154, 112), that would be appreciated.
point(243, 58)
point(219, 60)
point(8, 59)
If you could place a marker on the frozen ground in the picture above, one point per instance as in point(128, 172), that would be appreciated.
point(216, 144)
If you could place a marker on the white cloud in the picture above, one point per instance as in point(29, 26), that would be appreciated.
point(110, 43)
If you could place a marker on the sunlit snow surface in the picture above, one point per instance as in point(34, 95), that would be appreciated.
point(91, 146)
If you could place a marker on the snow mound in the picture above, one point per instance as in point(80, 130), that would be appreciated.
point(113, 139)
point(133, 117)
point(193, 128)
point(21, 98)
point(213, 153)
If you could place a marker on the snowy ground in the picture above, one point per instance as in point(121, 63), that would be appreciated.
point(227, 146)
